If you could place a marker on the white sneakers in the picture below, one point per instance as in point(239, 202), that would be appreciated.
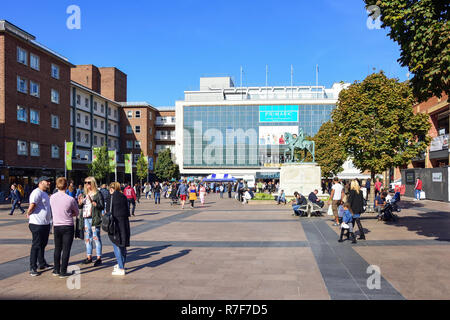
point(118, 272)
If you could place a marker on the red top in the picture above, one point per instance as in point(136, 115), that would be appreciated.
point(129, 193)
point(419, 185)
point(378, 185)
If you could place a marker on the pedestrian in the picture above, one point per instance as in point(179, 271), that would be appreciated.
point(337, 194)
point(221, 190)
point(106, 198)
point(137, 190)
point(147, 189)
point(417, 189)
point(356, 202)
point(120, 238)
point(202, 193)
point(281, 197)
point(347, 224)
point(40, 216)
point(378, 185)
point(131, 197)
point(192, 194)
point(380, 203)
point(367, 188)
point(90, 219)
point(71, 191)
point(240, 190)
point(157, 192)
point(182, 192)
point(64, 208)
point(16, 199)
point(79, 191)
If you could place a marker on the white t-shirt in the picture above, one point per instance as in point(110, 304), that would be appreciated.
point(337, 187)
point(42, 214)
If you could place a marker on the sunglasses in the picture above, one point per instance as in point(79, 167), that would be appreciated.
point(87, 182)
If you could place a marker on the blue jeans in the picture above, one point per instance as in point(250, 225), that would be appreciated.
point(295, 207)
point(157, 197)
point(16, 204)
point(92, 234)
point(121, 255)
point(417, 194)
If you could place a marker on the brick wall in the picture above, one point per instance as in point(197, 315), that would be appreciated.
point(113, 84)
point(88, 76)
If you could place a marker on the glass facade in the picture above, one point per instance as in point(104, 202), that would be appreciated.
point(236, 136)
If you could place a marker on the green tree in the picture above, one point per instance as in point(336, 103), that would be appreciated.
point(141, 167)
point(330, 151)
point(100, 168)
point(377, 125)
point(422, 30)
point(165, 168)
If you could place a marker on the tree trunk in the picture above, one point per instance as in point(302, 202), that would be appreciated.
point(371, 200)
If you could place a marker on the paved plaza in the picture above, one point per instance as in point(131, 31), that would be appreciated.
point(231, 251)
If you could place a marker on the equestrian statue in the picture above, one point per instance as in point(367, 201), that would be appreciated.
point(294, 142)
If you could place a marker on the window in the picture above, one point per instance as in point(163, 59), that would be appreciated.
point(78, 99)
point(86, 138)
point(34, 62)
point(115, 128)
point(150, 115)
point(150, 130)
point(102, 108)
point(22, 84)
point(116, 144)
point(86, 102)
point(34, 149)
point(55, 96)
point(102, 141)
point(109, 111)
point(55, 151)
point(102, 124)
point(22, 148)
point(109, 126)
point(129, 130)
point(150, 145)
point(115, 113)
point(138, 129)
point(21, 114)
point(95, 106)
point(138, 114)
point(34, 116)
point(22, 56)
point(55, 121)
point(78, 118)
point(78, 136)
point(129, 114)
point(173, 119)
point(136, 157)
point(86, 120)
point(95, 123)
point(55, 71)
point(34, 89)
point(129, 144)
point(137, 144)
point(95, 140)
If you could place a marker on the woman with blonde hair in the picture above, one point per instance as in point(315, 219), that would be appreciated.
point(91, 204)
point(356, 202)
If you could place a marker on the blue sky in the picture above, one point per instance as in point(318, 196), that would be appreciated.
point(166, 46)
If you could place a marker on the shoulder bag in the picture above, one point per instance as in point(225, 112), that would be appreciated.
point(108, 220)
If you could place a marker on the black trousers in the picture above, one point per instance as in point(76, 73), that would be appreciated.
point(131, 202)
point(63, 243)
point(40, 239)
point(360, 227)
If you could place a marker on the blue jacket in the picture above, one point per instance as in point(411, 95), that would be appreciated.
point(182, 189)
point(15, 195)
point(347, 216)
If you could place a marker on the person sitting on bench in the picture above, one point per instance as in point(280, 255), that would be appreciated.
point(298, 201)
point(313, 198)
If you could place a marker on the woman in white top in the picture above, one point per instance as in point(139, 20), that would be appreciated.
point(202, 194)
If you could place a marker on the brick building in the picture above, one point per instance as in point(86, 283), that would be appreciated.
point(34, 108)
point(137, 131)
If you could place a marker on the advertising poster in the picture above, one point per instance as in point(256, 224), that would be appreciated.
point(274, 135)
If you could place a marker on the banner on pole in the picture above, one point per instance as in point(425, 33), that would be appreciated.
point(69, 149)
point(128, 163)
point(112, 160)
point(95, 151)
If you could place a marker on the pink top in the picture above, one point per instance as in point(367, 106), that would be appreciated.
point(64, 207)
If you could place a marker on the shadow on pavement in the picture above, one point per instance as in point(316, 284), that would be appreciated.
point(140, 254)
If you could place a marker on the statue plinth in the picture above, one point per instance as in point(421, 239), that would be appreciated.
point(300, 177)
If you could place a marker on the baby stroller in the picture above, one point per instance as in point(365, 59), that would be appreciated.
point(387, 214)
point(173, 197)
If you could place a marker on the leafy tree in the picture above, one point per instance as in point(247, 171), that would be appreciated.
point(377, 125)
point(100, 168)
point(141, 167)
point(330, 151)
point(165, 168)
point(422, 30)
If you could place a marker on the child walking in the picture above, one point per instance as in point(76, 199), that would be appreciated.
point(347, 224)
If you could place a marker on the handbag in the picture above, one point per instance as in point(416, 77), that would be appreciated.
point(108, 220)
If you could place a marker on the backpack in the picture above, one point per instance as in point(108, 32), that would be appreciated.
point(108, 221)
point(22, 193)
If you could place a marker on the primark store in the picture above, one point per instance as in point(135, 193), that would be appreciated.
point(240, 130)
